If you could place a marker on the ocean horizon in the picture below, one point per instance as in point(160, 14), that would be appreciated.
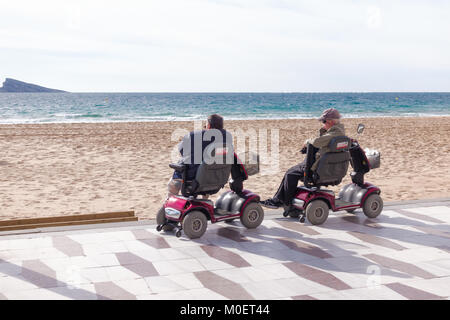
point(23, 108)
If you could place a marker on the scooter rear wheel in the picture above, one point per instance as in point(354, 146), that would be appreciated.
point(373, 206)
point(161, 219)
point(317, 212)
point(195, 224)
point(252, 216)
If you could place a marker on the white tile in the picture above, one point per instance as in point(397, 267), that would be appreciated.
point(13, 284)
point(105, 260)
point(420, 255)
point(213, 264)
point(178, 266)
point(122, 235)
point(194, 252)
point(114, 247)
point(438, 286)
point(279, 271)
point(90, 238)
point(71, 277)
point(77, 292)
point(92, 249)
point(163, 284)
point(440, 268)
point(152, 296)
point(94, 275)
point(134, 286)
point(301, 286)
point(236, 275)
point(264, 290)
point(257, 274)
point(186, 280)
point(37, 294)
point(202, 294)
point(87, 262)
point(150, 254)
point(261, 259)
point(118, 273)
point(135, 245)
point(172, 254)
point(431, 211)
point(372, 293)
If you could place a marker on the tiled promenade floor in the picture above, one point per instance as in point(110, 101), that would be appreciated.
point(404, 254)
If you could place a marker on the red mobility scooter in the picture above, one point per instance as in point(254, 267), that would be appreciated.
point(190, 214)
point(314, 202)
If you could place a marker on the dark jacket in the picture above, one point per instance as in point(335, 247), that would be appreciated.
point(193, 146)
point(324, 139)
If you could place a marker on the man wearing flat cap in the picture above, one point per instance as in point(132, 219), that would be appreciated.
point(286, 191)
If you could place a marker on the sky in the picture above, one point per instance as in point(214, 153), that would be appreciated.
point(227, 45)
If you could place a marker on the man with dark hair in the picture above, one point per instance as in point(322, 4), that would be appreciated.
point(288, 187)
point(215, 121)
point(193, 146)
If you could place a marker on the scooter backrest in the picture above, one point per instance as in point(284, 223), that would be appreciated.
point(339, 144)
point(333, 165)
point(214, 172)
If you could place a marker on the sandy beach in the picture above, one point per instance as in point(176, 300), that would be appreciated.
point(62, 169)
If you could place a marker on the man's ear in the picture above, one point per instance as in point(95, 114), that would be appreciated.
point(208, 126)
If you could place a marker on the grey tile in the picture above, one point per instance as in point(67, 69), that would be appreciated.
point(304, 247)
point(379, 241)
point(225, 256)
point(222, 286)
point(401, 266)
point(418, 216)
point(68, 246)
point(111, 291)
point(316, 275)
point(412, 293)
point(39, 274)
point(299, 227)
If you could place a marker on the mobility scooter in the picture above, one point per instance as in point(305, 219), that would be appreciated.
point(190, 214)
point(314, 202)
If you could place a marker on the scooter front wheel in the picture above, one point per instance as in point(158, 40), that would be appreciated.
point(252, 215)
point(317, 212)
point(373, 206)
point(195, 224)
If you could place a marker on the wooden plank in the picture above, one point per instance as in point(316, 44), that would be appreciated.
point(67, 223)
point(69, 218)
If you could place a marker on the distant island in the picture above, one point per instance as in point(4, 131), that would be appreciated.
point(11, 85)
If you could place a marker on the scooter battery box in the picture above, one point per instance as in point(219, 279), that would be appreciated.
point(250, 160)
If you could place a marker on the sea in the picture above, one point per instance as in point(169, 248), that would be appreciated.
point(22, 108)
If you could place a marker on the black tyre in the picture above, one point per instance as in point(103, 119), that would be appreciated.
point(195, 224)
point(317, 212)
point(373, 206)
point(252, 216)
point(161, 219)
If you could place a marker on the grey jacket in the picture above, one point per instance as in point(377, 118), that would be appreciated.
point(324, 139)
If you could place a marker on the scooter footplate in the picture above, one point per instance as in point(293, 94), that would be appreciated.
point(221, 212)
point(340, 203)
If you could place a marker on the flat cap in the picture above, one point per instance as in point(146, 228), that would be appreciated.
point(330, 114)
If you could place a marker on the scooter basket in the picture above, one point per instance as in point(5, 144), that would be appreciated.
point(373, 156)
point(250, 160)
